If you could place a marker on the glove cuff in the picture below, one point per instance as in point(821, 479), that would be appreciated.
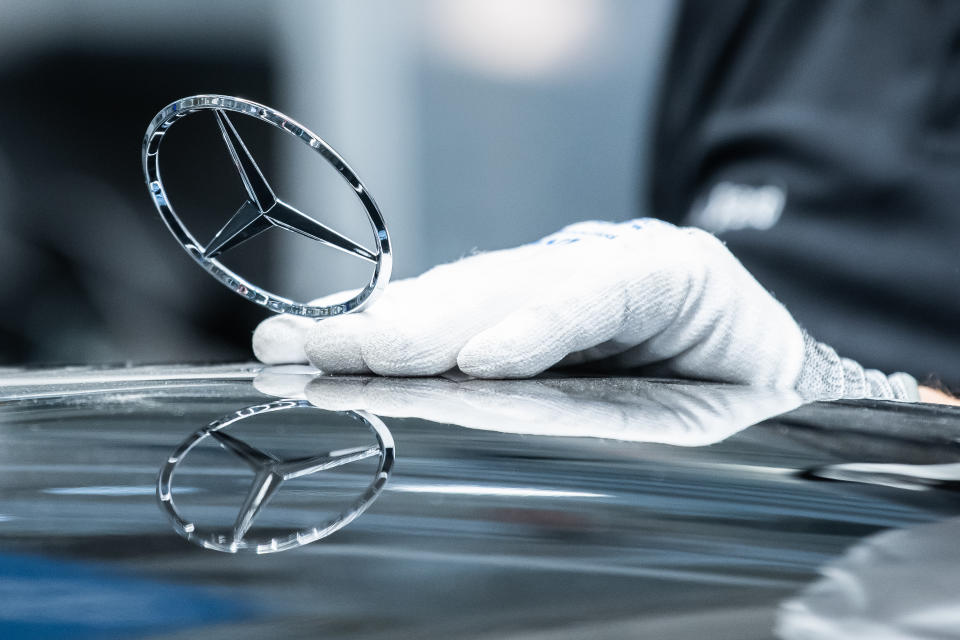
point(826, 376)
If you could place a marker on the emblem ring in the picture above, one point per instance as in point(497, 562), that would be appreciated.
point(382, 257)
point(219, 542)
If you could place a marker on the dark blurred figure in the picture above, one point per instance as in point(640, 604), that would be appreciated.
point(821, 141)
point(90, 272)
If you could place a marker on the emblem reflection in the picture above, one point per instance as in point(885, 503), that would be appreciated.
point(270, 472)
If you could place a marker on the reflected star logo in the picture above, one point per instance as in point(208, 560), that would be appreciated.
point(262, 210)
point(270, 472)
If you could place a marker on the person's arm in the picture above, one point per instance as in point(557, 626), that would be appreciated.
point(937, 396)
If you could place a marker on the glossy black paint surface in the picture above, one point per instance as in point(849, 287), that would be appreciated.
point(477, 532)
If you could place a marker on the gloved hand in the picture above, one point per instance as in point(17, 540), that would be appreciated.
point(621, 296)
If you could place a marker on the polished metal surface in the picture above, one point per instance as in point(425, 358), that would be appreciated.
point(560, 508)
point(262, 210)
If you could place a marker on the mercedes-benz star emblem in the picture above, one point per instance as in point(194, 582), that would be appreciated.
point(270, 472)
point(262, 209)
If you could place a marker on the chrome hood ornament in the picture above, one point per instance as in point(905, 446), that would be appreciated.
point(262, 209)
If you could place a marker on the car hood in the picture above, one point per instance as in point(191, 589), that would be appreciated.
point(233, 501)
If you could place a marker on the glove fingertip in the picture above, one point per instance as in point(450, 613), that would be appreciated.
point(280, 340)
point(497, 354)
point(334, 345)
point(411, 349)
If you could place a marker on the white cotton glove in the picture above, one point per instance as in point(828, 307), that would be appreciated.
point(619, 295)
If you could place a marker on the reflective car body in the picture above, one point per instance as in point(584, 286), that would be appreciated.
point(605, 507)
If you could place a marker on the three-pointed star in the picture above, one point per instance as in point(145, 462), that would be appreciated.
point(264, 210)
point(270, 472)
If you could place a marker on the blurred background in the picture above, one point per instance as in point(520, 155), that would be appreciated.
point(476, 124)
point(819, 140)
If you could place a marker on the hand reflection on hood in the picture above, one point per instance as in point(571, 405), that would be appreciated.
point(629, 409)
point(893, 585)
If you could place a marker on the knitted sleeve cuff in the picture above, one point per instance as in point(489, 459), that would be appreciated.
point(826, 376)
